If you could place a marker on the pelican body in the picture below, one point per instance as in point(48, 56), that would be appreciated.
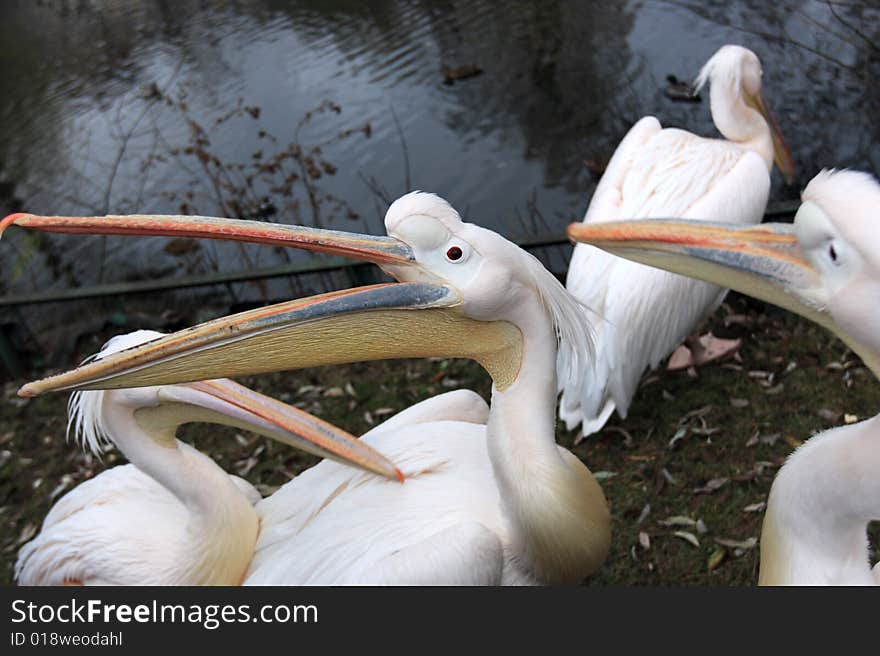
point(494, 501)
point(825, 267)
point(173, 516)
point(641, 314)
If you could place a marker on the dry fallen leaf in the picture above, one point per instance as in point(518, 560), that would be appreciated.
point(65, 482)
point(29, 531)
point(628, 441)
point(680, 434)
point(334, 392)
point(677, 520)
point(739, 403)
point(712, 485)
point(688, 537)
point(644, 540)
point(850, 419)
point(755, 507)
point(669, 478)
point(831, 416)
point(716, 558)
point(739, 546)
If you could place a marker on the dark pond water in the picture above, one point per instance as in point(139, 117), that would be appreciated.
point(201, 105)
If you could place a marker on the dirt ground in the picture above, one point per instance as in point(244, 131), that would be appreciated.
point(687, 473)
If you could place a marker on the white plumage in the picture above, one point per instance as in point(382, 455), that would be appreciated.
point(489, 497)
point(123, 527)
point(492, 502)
point(173, 516)
point(827, 493)
point(827, 268)
point(641, 314)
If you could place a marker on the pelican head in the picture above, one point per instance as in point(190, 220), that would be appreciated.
point(825, 266)
point(494, 277)
point(159, 410)
point(735, 76)
point(463, 291)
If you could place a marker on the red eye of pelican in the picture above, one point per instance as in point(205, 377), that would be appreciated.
point(454, 253)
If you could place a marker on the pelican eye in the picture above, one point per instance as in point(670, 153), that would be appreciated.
point(832, 253)
point(454, 254)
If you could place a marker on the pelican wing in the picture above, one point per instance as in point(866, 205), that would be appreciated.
point(110, 529)
point(334, 509)
point(644, 313)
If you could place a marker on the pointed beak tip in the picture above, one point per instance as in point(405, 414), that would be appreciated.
point(27, 392)
point(400, 477)
point(7, 221)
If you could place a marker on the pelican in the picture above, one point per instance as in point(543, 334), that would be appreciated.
point(825, 267)
point(173, 516)
point(642, 314)
point(494, 501)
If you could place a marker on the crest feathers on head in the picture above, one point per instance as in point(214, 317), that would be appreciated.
point(85, 407)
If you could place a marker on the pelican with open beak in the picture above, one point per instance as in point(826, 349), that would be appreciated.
point(825, 267)
point(494, 503)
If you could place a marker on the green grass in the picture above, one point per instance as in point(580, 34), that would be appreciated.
point(646, 480)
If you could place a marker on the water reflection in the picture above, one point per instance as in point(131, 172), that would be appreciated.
point(84, 126)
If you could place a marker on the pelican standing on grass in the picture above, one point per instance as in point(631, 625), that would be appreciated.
point(484, 503)
point(173, 517)
point(641, 314)
point(825, 267)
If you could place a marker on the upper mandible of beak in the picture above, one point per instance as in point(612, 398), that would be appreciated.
point(781, 153)
point(764, 261)
point(377, 249)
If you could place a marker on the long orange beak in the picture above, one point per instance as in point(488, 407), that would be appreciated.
point(369, 248)
point(356, 325)
point(781, 153)
point(395, 320)
point(764, 261)
point(226, 402)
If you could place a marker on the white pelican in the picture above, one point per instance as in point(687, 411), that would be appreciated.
point(641, 314)
point(827, 268)
point(498, 503)
point(173, 517)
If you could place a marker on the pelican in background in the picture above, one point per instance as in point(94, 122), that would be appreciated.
point(484, 503)
point(641, 314)
point(173, 516)
point(825, 267)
